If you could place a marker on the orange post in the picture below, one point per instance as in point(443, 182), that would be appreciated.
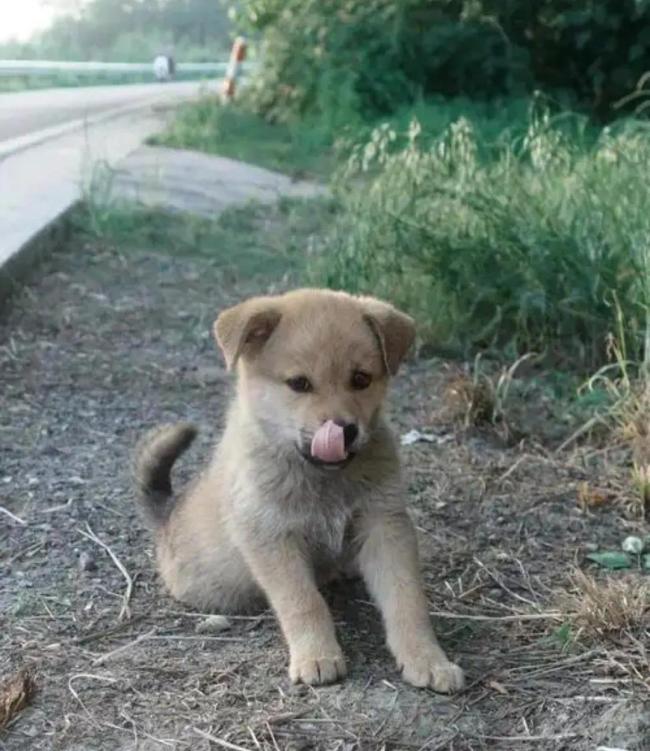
point(237, 56)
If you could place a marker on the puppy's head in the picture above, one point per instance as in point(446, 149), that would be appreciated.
point(313, 367)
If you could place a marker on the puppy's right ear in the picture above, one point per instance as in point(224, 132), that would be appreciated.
point(244, 329)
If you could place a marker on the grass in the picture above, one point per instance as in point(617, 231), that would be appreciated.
point(255, 241)
point(607, 609)
point(518, 238)
point(232, 131)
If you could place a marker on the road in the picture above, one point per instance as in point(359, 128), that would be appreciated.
point(26, 112)
point(52, 142)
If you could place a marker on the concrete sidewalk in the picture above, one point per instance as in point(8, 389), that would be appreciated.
point(199, 183)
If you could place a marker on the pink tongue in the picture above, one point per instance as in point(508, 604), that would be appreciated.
point(328, 443)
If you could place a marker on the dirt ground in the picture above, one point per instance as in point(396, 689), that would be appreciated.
point(107, 343)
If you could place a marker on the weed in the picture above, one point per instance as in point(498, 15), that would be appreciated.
point(609, 609)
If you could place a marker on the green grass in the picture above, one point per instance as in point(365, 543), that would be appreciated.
point(253, 242)
point(232, 131)
point(503, 230)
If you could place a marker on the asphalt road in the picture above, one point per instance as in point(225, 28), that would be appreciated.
point(25, 112)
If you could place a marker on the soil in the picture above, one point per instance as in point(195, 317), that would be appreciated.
point(107, 343)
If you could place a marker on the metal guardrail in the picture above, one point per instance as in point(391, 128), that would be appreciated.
point(55, 67)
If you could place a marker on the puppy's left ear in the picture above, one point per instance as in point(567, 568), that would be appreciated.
point(394, 330)
point(244, 329)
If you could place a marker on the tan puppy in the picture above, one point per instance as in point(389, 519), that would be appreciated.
point(304, 483)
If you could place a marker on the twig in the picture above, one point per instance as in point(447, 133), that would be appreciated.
point(231, 616)
point(577, 434)
point(275, 743)
point(532, 738)
point(195, 637)
point(219, 741)
point(96, 635)
point(126, 598)
point(548, 616)
point(153, 636)
point(73, 691)
point(143, 637)
point(503, 586)
point(13, 516)
point(513, 468)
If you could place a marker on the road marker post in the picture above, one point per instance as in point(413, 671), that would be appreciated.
point(237, 56)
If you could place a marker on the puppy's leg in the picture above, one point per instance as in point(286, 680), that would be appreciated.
point(388, 561)
point(288, 580)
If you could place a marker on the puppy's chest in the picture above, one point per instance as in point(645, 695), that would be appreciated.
point(322, 515)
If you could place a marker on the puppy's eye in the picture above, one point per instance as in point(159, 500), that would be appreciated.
point(360, 380)
point(301, 384)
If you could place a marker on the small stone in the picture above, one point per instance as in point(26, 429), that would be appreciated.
point(205, 375)
point(87, 562)
point(633, 545)
point(591, 547)
point(213, 625)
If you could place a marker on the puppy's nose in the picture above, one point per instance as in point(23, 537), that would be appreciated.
point(350, 432)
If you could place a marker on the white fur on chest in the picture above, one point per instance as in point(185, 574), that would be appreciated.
point(285, 497)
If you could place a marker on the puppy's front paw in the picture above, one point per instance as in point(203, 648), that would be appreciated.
point(426, 667)
point(316, 669)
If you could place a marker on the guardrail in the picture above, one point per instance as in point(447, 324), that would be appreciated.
point(55, 67)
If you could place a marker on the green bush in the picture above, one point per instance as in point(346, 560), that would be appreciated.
point(538, 245)
point(343, 59)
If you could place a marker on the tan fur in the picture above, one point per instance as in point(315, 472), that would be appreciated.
point(264, 523)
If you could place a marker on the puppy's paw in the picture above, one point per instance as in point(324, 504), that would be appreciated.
point(426, 668)
point(316, 670)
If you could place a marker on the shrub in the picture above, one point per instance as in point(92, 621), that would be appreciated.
point(343, 60)
point(340, 59)
point(536, 245)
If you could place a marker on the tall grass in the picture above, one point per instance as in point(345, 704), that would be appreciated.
point(536, 241)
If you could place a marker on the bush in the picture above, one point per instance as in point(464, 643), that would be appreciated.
point(538, 245)
point(344, 59)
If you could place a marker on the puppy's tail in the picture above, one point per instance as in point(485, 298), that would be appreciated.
point(154, 458)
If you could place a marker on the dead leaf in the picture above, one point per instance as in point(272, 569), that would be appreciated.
point(589, 497)
point(15, 694)
point(498, 687)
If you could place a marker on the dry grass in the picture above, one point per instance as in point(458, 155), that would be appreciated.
point(615, 609)
point(468, 400)
point(476, 396)
point(15, 694)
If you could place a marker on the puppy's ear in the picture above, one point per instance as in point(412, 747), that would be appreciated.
point(394, 331)
point(245, 328)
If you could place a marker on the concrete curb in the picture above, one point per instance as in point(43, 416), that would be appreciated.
point(17, 271)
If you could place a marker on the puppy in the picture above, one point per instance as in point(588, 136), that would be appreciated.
point(304, 483)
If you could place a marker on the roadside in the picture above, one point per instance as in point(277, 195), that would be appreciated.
point(44, 171)
point(113, 338)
